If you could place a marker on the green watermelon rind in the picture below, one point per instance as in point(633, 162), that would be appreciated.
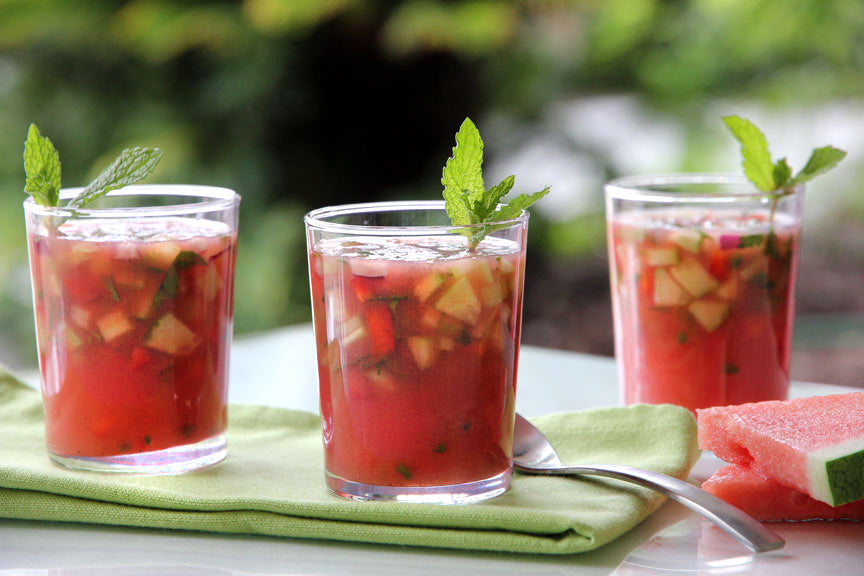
point(837, 472)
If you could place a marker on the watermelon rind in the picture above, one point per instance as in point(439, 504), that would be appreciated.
point(837, 472)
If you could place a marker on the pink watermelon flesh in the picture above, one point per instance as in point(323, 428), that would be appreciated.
point(765, 499)
point(815, 445)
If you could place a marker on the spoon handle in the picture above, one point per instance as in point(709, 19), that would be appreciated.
point(746, 530)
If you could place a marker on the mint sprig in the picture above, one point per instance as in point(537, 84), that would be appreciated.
point(42, 167)
point(466, 198)
point(768, 176)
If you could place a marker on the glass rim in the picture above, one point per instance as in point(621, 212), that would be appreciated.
point(315, 219)
point(216, 199)
point(645, 188)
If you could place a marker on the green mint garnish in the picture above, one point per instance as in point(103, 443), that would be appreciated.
point(42, 166)
point(466, 198)
point(404, 471)
point(777, 177)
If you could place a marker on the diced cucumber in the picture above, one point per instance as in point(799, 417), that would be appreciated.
point(113, 325)
point(689, 240)
point(446, 344)
point(507, 266)
point(380, 376)
point(485, 270)
point(212, 283)
point(460, 301)
point(72, 339)
point(171, 336)
point(667, 292)
point(661, 256)
point(427, 286)
point(353, 330)
point(729, 290)
point(492, 295)
point(368, 268)
point(160, 255)
point(423, 351)
point(430, 318)
point(709, 313)
point(695, 279)
point(80, 316)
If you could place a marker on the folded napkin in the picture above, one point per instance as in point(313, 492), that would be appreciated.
point(272, 482)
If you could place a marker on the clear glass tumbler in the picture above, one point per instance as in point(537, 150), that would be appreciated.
point(133, 299)
point(703, 271)
point(418, 342)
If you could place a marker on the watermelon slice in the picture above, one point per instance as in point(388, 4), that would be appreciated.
point(814, 445)
point(766, 500)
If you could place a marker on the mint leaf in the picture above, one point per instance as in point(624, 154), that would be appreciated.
point(42, 167)
point(514, 208)
point(821, 160)
point(782, 172)
point(756, 159)
point(496, 193)
point(133, 165)
point(462, 176)
point(466, 199)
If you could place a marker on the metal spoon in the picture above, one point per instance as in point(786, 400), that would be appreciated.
point(534, 454)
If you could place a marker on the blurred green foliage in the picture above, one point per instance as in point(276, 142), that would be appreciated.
point(300, 103)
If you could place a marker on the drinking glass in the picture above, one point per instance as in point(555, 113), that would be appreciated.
point(133, 301)
point(703, 270)
point(417, 334)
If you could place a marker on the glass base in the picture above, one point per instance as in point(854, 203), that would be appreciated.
point(450, 494)
point(174, 460)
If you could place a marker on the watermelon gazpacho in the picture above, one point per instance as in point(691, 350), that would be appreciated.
point(417, 343)
point(703, 303)
point(133, 319)
point(814, 445)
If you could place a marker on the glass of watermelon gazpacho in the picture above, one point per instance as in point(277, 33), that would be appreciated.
point(133, 301)
point(703, 271)
point(417, 335)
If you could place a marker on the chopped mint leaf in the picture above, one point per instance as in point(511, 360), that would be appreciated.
point(754, 151)
point(466, 199)
point(682, 337)
point(730, 368)
point(109, 286)
point(751, 240)
point(765, 174)
point(133, 165)
point(440, 448)
point(42, 167)
point(404, 471)
point(821, 160)
point(168, 288)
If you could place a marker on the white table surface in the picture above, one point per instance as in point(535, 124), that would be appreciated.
point(278, 368)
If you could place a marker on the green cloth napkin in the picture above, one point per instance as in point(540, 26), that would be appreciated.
point(272, 482)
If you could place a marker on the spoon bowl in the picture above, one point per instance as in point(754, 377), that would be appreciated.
point(534, 454)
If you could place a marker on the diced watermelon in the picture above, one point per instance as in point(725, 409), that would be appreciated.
point(815, 445)
point(729, 290)
point(362, 288)
point(380, 322)
point(766, 500)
